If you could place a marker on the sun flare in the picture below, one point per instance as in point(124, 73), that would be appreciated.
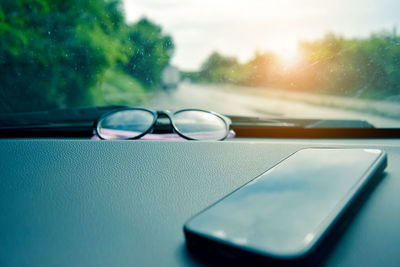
point(288, 53)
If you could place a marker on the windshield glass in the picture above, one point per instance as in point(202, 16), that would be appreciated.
point(320, 59)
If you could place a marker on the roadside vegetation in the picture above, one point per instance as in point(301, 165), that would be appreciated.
point(57, 53)
point(361, 67)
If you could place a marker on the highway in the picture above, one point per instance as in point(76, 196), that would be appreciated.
point(234, 100)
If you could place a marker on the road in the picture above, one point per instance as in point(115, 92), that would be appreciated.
point(274, 104)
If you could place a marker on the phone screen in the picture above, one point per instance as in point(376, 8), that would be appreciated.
point(284, 211)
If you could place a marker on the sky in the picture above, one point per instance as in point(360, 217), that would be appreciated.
point(240, 28)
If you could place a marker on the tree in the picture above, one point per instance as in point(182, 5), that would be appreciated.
point(261, 69)
point(368, 67)
point(53, 51)
point(151, 51)
point(221, 69)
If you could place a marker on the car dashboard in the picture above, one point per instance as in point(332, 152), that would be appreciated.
point(76, 202)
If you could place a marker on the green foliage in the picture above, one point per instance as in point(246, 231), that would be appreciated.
point(52, 51)
point(117, 87)
point(55, 53)
point(221, 69)
point(261, 70)
point(357, 67)
point(150, 48)
point(368, 67)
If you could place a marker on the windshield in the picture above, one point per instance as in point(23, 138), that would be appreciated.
point(319, 59)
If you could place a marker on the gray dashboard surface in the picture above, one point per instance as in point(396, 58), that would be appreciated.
point(123, 203)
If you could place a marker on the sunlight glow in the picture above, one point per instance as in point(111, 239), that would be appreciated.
point(239, 28)
point(288, 53)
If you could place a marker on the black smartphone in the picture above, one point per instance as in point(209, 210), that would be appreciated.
point(286, 213)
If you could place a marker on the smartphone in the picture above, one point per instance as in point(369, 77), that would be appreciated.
point(285, 214)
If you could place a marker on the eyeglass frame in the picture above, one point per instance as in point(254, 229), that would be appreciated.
point(156, 115)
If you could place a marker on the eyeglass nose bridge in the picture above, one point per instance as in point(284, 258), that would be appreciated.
point(163, 122)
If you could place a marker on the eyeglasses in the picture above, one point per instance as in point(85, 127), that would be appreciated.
point(133, 123)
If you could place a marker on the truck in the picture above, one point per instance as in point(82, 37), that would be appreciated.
point(170, 77)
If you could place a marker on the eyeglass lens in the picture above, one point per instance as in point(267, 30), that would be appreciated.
point(125, 124)
point(200, 125)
